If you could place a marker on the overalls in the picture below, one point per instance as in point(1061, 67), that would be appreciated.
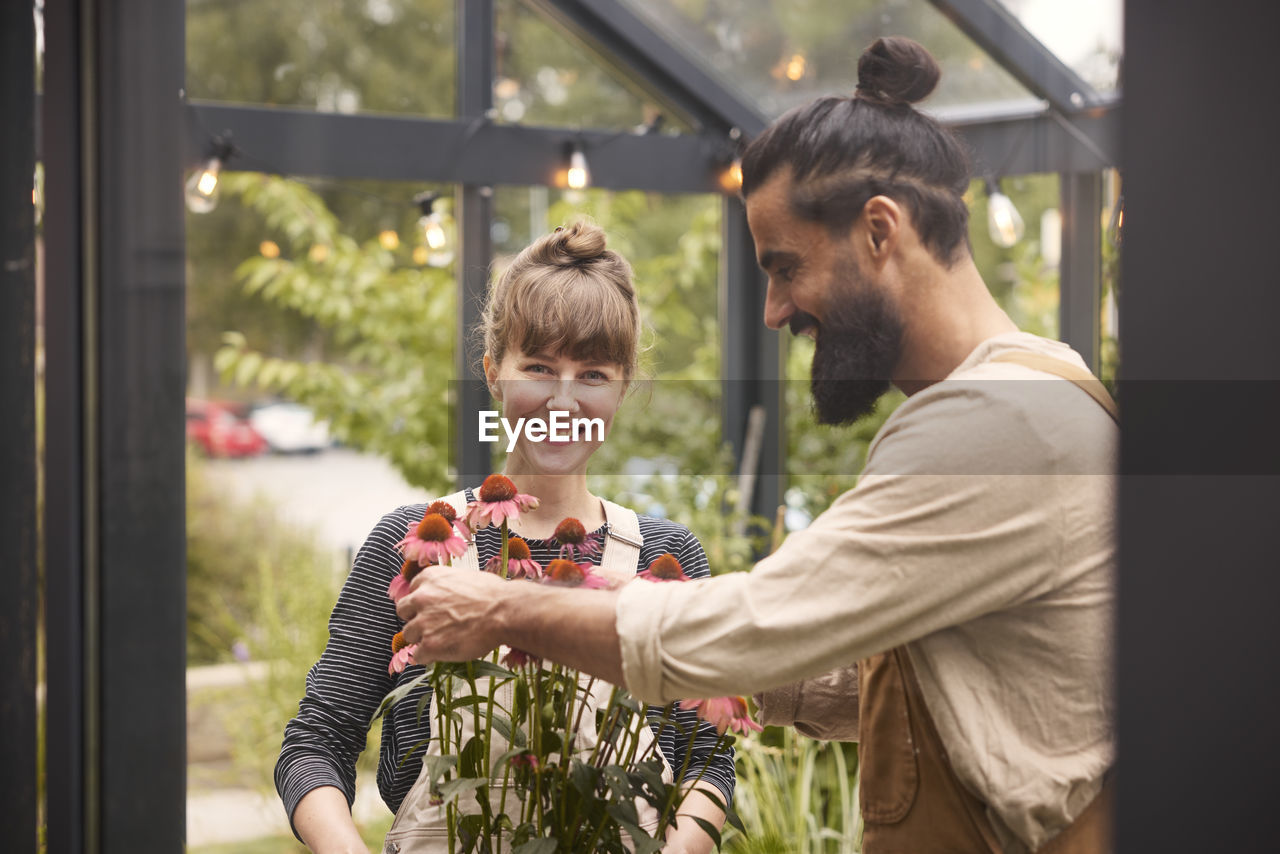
point(912, 802)
point(420, 825)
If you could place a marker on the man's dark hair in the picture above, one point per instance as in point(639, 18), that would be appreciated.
point(843, 151)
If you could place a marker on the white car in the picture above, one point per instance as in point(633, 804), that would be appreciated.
point(290, 428)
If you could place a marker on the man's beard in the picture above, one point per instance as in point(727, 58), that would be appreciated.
point(858, 345)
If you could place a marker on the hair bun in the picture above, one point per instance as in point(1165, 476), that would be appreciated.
point(897, 71)
point(571, 244)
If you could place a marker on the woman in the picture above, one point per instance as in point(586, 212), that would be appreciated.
point(560, 331)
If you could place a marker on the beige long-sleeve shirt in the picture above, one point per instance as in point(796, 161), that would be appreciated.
point(982, 535)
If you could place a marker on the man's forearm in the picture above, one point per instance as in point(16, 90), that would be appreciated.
point(576, 628)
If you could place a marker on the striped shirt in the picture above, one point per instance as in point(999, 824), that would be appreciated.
point(344, 688)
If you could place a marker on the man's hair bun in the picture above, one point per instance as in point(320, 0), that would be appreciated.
point(896, 71)
point(569, 245)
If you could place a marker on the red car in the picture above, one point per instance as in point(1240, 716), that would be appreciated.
point(219, 432)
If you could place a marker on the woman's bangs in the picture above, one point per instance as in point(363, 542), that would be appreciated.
point(586, 320)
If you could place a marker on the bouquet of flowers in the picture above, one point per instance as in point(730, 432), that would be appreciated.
point(537, 758)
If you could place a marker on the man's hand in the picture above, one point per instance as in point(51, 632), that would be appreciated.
point(451, 613)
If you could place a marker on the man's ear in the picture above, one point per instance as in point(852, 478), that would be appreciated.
point(880, 222)
point(491, 377)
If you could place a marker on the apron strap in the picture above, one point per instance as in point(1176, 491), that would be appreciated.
point(622, 541)
point(1074, 374)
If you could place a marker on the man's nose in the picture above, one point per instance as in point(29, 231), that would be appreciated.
point(777, 308)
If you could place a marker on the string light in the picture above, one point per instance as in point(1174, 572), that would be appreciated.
point(434, 249)
point(202, 187)
point(796, 67)
point(731, 176)
point(389, 239)
point(1115, 231)
point(578, 176)
point(1004, 223)
point(269, 249)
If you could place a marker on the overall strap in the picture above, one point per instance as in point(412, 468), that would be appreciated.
point(622, 541)
point(1081, 378)
point(469, 559)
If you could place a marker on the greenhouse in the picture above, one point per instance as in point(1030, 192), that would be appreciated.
point(307, 221)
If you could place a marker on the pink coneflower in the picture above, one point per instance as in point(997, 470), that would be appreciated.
point(400, 584)
point(724, 713)
point(519, 658)
point(433, 540)
point(444, 508)
point(574, 542)
point(520, 562)
point(664, 568)
point(497, 502)
point(566, 573)
point(525, 760)
point(401, 654)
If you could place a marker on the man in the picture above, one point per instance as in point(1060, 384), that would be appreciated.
point(969, 575)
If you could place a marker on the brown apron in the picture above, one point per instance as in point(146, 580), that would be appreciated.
point(420, 825)
point(912, 801)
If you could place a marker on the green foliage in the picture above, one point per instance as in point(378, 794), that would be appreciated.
point(384, 387)
point(796, 795)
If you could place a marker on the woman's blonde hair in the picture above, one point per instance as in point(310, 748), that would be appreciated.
point(565, 293)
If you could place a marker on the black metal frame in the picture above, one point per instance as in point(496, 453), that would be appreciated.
point(114, 133)
point(19, 809)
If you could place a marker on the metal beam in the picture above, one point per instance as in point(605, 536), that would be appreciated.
point(1080, 276)
point(474, 220)
point(1039, 140)
point(998, 32)
point(18, 524)
point(71, 557)
point(467, 151)
point(750, 361)
point(141, 361)
point(623, 39)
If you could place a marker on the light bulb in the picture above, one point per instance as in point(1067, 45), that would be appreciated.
point(731, 177)
point(1115, 231)
point(389, 239)
point(433, 231)
point(202, 187)
point(1003, 220)
point(578, 176)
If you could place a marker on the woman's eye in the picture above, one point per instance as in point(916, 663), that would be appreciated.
point(784, 273)
point(538, 369)
point(596, 376)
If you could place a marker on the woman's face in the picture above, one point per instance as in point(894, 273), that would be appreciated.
point(533, 385)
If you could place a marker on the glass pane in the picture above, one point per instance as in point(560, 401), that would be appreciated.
point(822, 461)
point(323, 409)
point(345, 56)
point(781, 53)
point(1087, 35)
point(543, 77)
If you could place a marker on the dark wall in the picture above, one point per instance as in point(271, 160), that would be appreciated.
point(1200, 499)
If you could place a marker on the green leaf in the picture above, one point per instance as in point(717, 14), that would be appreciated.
point(542, 845)
point(513, 735)
point(453, 788)
point(708, 828)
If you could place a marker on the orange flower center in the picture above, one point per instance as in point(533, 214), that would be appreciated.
point(565, 572)
point(444, 508)
point(666, 566)
point(398, 642)
point(434, 527)
point(518, 549)
point(409, 569)
point(570, 531)
point(497, 487)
